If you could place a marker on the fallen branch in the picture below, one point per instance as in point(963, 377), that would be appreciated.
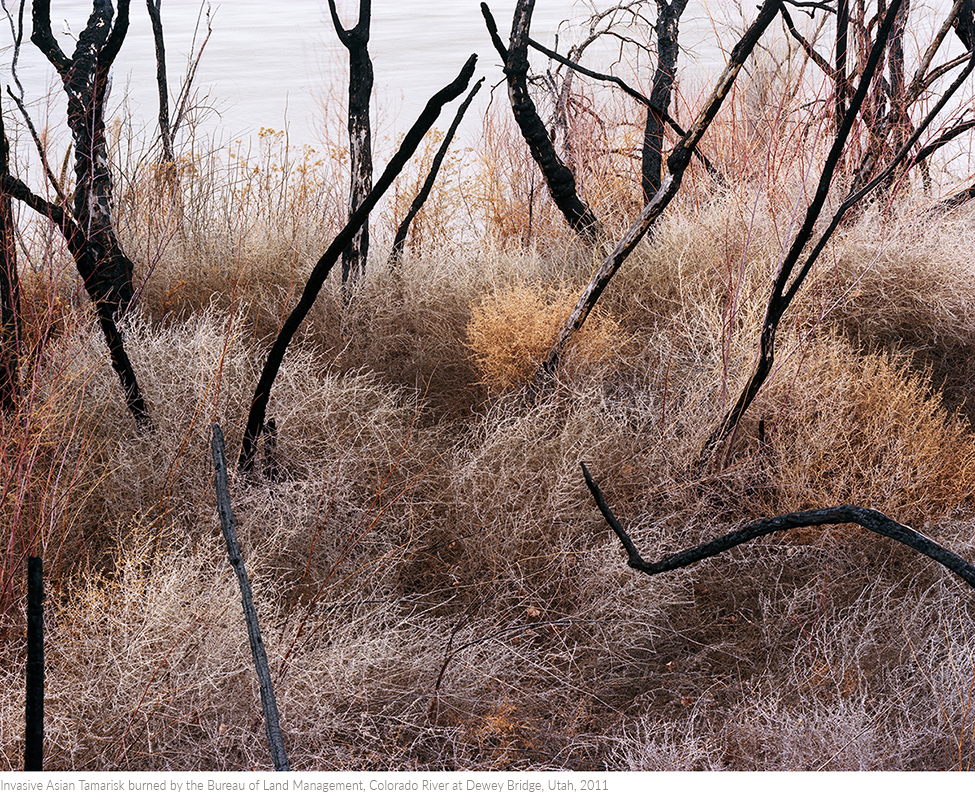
point(867, 518)
point(271, 724)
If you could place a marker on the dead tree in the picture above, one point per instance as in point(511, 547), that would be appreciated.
point(559, 178)
point(87, 227)
point(800, 258)
point(677, 163)
point(262, 392)
point(666, 31)
point(165, 131)
point(105, 268)
point(356, 41)
point(399, 240)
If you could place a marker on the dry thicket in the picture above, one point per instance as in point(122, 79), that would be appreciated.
point(435, 586)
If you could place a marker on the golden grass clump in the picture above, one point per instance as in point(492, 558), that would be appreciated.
point(511, 332)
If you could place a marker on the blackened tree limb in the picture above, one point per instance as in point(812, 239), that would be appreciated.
point(666, 29)
point(9, 291)
point(262, 392)
point(964, 23)
point(676, 165)
point(34, 705)
point(399, 241)
point(867, 518)
point(782, 293)
point(272, 726)
point(76, 242)
point(559, 178)
point(840, 81)
point(361, 77)
point(162, 85)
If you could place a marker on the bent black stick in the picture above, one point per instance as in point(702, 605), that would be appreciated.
point(269, 704)
point(868, 518)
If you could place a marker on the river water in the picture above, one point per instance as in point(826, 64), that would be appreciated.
point(277, 64)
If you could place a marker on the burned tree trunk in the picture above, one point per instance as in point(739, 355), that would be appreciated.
point(165, 130)
point(9, 292)
point(561, 182)
point(356, 41)
point(88, 229)
point(668, 16)
point(106, 270)
point(792, 274)
point(262, 392)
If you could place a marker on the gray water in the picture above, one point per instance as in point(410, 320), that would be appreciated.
point(280, 65)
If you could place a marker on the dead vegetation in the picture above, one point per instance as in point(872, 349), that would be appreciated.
point(436, 588)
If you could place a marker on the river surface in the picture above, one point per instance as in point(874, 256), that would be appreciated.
point(279, 64)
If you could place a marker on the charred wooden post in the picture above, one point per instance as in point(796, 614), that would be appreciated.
point(356, 41)
point(272, 725)
point(34, 704)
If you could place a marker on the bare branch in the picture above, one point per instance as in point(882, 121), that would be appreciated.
point(864, 517)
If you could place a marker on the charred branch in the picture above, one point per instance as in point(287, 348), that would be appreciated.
point(399, 241)
point(9, 291)
point(867, 518)
point(668, 19)
point(262, 392)
point(676, 165)
point(629, 90)
point(558, 177)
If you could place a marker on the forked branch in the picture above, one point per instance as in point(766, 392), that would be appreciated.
point(676, 165)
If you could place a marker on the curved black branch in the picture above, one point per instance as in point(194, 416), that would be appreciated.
point(262, 392)
point(868, 518)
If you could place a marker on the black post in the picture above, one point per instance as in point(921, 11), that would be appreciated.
point(34, 705)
